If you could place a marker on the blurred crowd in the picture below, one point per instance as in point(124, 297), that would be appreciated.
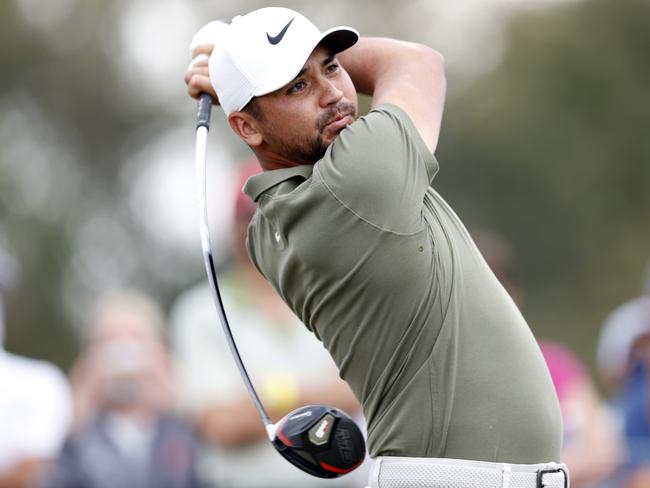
point(156, 401)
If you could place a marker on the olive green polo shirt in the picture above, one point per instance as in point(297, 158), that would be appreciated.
point(383, 272)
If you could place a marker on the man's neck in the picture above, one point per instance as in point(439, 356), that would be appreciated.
point(270, 160)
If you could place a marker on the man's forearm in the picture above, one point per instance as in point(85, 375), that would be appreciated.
point(405, 74)
point(372, 59)
point(359, 60)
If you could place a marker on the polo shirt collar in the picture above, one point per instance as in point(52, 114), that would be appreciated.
point(257, 185)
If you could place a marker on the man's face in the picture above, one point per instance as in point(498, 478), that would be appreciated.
point(305, 116)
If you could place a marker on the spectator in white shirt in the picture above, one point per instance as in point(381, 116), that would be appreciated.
point(35, 406)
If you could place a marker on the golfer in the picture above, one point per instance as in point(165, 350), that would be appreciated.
point(353, 237)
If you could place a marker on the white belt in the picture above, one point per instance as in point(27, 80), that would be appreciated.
point(407, 472)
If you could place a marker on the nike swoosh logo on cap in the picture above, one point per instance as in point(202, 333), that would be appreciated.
point(276, 39)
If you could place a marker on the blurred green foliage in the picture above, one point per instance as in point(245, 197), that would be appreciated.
point(66, 93)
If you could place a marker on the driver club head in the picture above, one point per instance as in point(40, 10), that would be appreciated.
point(322, 441)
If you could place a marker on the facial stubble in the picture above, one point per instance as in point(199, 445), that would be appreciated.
point(310, 149)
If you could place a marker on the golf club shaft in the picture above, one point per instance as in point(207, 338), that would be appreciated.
point(202, 128)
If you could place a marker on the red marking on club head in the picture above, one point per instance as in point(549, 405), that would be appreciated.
point(283, 438)
point(334, 469)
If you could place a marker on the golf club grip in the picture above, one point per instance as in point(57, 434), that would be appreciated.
point(205, 110)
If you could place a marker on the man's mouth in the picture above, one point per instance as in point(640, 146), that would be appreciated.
point(339, 122)
point(337, 118)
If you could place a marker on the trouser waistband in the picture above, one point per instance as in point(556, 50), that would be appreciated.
point(407, 472)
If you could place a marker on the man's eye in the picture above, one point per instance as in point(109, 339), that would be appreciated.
point(296, 87)
point(332, 68)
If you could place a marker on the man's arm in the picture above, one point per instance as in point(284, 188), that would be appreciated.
point(405, 74)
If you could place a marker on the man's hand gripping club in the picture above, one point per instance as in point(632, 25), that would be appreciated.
point(197, 76)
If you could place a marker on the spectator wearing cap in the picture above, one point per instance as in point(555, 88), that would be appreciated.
point(616, 358)
point(624, 363)
point(623, 360)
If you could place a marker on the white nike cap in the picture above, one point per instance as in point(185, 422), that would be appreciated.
point(262, 51)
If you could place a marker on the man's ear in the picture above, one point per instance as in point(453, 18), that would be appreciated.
point(246, 127)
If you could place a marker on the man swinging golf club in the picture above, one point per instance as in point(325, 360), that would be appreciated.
point(351, 234)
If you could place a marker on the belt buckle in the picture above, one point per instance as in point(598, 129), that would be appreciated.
point(542, 472)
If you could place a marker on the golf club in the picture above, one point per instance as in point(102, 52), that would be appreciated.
point(320, 440)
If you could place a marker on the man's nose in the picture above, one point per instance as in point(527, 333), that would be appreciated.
point(330, 94)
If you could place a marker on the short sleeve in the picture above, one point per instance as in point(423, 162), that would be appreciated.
point(379, 167)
